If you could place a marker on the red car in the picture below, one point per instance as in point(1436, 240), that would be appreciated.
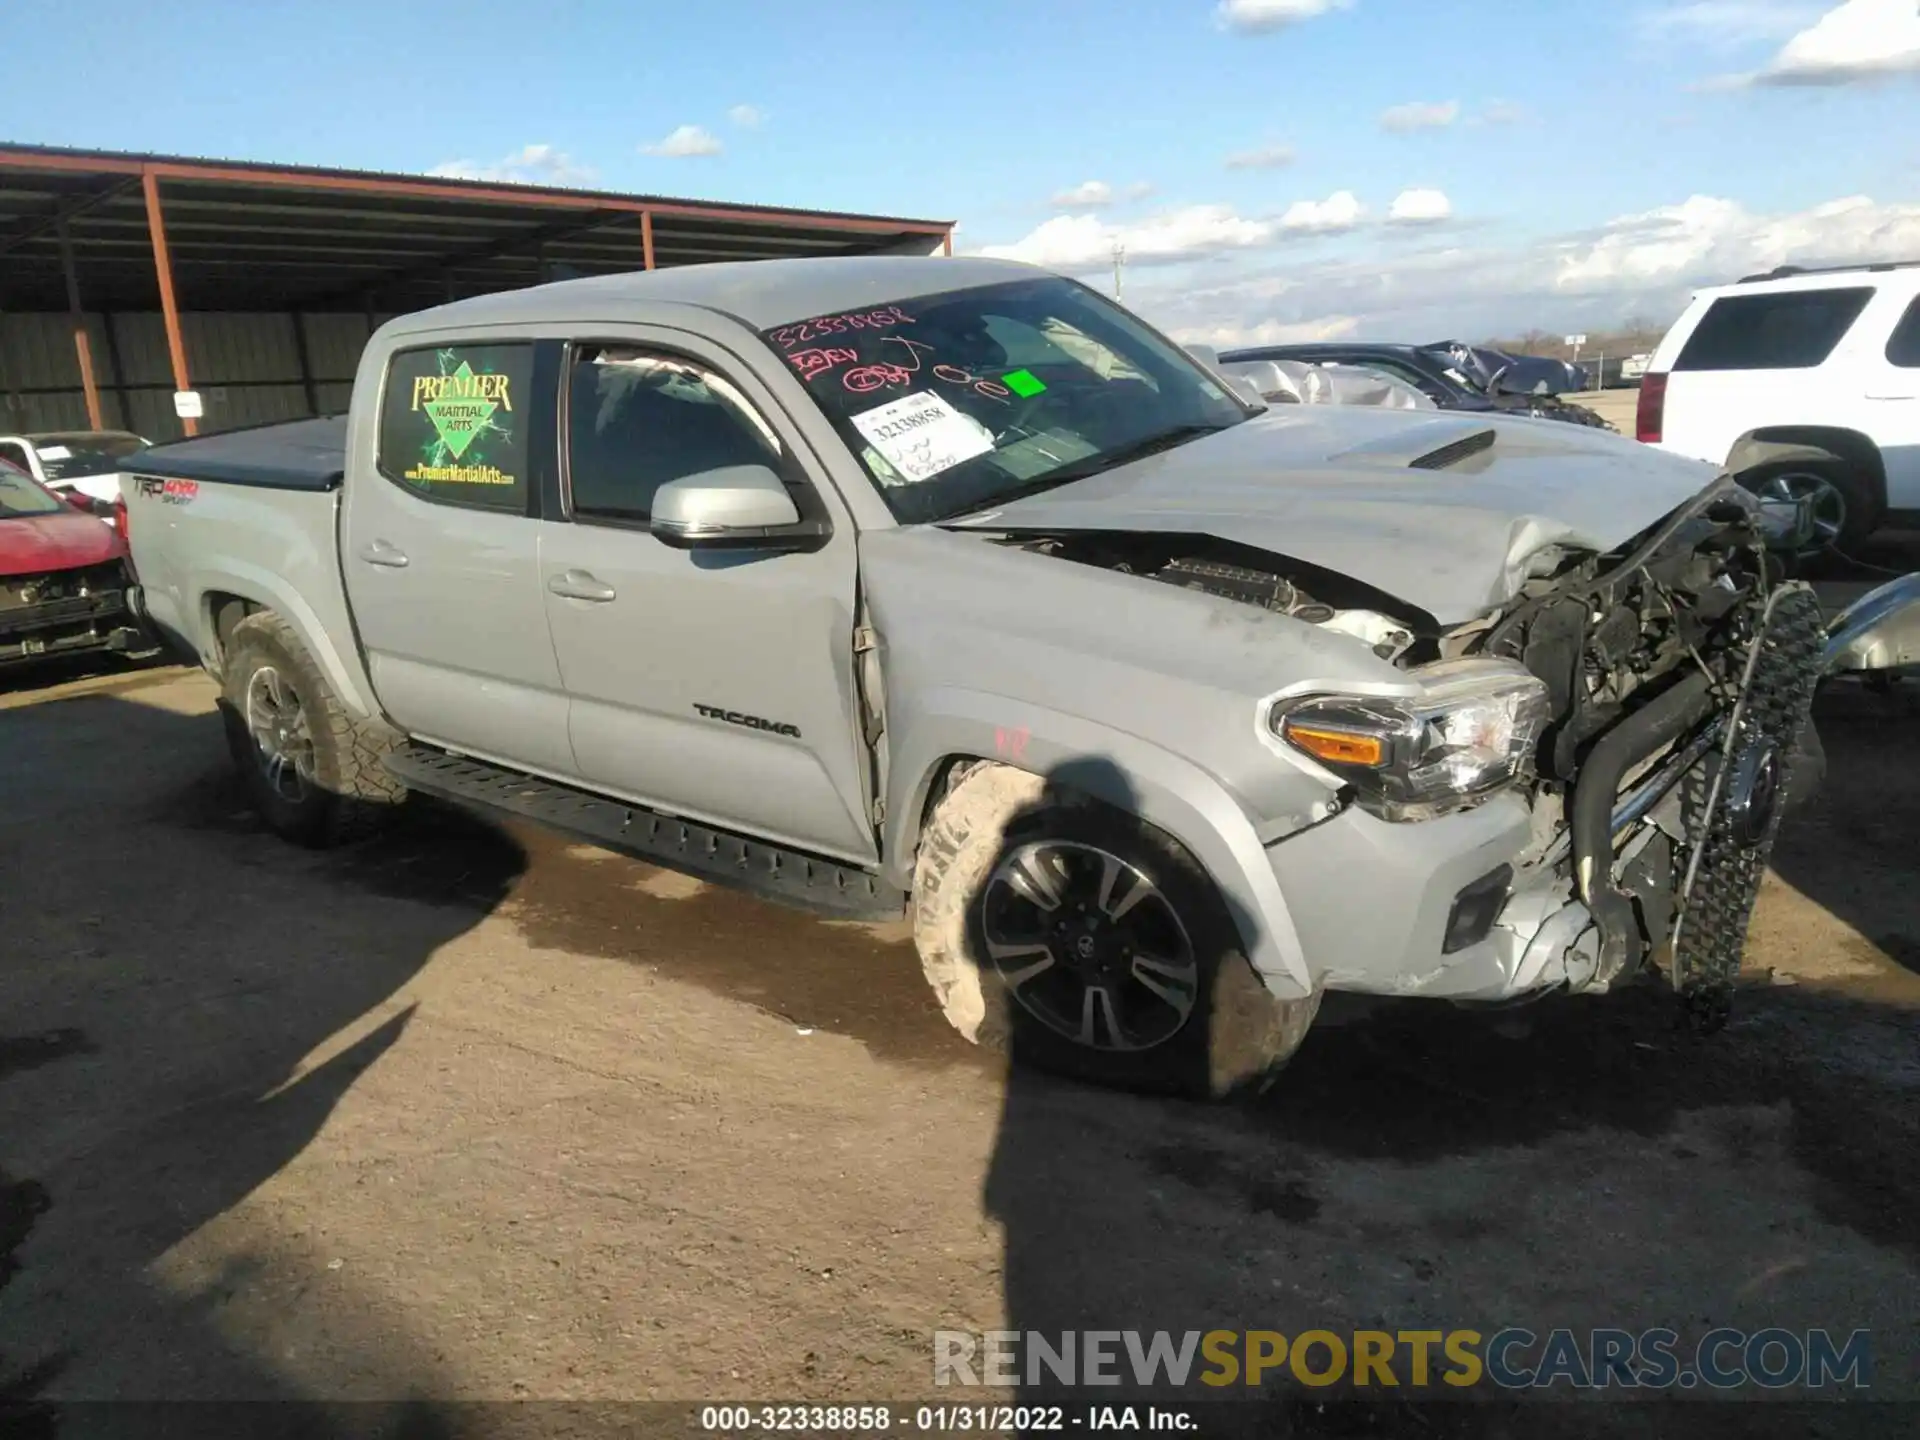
point(63, 574)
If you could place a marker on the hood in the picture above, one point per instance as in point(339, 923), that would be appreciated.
point(1335, 486)
point(36, 544)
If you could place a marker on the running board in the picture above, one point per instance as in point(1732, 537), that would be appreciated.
point(805, 881)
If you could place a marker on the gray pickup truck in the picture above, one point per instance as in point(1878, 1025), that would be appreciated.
point(950, 588)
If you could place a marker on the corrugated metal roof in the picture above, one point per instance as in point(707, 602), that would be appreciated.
point(250, 236)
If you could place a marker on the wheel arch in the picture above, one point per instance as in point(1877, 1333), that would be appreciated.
point(1774, 444)
point(226, 597)
point(1166, 790)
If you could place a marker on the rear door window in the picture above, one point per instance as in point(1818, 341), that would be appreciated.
point(1903, 346)
point(453, 424)
point(1786, 330)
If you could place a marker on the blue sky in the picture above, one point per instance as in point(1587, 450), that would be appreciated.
point(1518, 137)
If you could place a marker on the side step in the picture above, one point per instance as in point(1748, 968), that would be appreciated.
point(806, 881)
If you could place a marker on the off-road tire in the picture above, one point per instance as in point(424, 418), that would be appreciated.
point(354, 794)
point(1238, 1033)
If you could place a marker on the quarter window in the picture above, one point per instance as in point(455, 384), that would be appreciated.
point(1903, 346)
point(453, 424)
point(637, 419)
point(1786, 330)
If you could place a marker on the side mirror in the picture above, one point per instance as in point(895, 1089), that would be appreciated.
point(735, 507)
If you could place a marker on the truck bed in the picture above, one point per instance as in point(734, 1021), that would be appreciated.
point(248, 516)
point(287, 455)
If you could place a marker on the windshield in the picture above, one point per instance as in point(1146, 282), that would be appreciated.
point(70, 457)
point(19, 496)
point(963, 400)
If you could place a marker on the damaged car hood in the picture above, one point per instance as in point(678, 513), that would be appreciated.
point(1444, 513)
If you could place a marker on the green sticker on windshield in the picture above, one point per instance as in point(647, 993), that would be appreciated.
point(1024, 383)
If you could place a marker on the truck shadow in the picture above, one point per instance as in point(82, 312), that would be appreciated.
point(1582, 1162)
point(181, 1011)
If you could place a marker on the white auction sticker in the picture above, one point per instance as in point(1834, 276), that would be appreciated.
point(920, 435)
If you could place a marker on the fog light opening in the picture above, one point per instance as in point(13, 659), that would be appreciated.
point(1475, 909)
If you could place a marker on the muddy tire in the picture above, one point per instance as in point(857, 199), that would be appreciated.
point(1027, 901)
point(312, 770)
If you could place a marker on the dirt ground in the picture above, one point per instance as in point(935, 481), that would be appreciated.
point(473, 1113)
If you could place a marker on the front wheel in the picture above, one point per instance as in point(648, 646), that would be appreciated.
point(313, 770)
point(1081, 940)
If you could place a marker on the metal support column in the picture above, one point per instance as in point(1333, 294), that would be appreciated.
point(163, 267)
point(646, 238)
point(305, 359)
point(82, 345)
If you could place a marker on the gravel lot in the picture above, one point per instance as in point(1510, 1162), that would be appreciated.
point(476, 1113)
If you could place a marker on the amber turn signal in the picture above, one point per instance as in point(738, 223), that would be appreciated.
point(1339, 747)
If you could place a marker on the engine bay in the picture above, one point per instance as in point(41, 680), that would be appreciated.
point(1228, 571)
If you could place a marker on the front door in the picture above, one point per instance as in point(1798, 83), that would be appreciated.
point(715, 685)
point(439, 546)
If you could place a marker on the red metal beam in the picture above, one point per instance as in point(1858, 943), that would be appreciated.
point(523, 195)
point(82, 345)
point(163, 267)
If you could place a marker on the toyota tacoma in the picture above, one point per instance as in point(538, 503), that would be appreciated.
point(948, 588)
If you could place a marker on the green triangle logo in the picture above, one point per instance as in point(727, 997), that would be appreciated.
point(461, 412)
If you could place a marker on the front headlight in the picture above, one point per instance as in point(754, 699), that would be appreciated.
point(1467, 730)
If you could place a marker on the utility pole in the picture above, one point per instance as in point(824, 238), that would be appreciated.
point(1119, 259)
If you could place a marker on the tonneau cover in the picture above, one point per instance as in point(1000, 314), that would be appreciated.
point(293, 455)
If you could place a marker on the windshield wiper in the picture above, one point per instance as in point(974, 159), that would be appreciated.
point(1095, 464)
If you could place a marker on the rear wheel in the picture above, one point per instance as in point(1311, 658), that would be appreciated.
point(314, 771)
point(1836, 503)
point(1081, 940)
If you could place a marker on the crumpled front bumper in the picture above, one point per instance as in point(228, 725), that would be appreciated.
point(1878, 632)
point(1375, 903)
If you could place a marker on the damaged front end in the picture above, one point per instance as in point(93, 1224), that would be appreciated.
point(1680, 671)
point(64, 612)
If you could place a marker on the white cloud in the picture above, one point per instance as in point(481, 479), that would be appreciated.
point(1858, 40)
point(1271, 157)
point(529, 165)
point(1419, 207)
point(1339, 211)
point(1257, 17)
point(1139, 190)
point(685, 142)
point(1078, 244)
point(1088, 194)
point(1637, 265)
point(1501, 112)
point(1268, 332)
point(1725, 23)
point(747, 117)
point(1420, 115)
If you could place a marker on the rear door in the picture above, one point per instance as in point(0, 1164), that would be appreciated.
point(1892, 406)
point(440, 550)
point(1759, 359)
point(714, 684)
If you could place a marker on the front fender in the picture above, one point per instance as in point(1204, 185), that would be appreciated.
point(1123, 770)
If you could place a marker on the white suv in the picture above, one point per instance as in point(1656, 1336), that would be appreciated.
point(1806, 384)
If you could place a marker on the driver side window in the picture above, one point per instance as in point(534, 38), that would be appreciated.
point(638, 418)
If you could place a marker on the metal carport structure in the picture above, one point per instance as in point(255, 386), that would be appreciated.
point(105, 258)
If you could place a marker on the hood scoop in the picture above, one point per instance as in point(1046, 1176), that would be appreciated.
point(1432, 446)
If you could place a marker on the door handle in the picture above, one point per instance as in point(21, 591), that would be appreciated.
point(380, 552)
point(580, 585)
point(1876, 395)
